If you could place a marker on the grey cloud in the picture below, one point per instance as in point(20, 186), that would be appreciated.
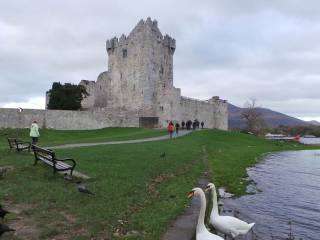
point(266, 49)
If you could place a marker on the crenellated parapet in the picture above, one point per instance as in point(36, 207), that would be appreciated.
point(111, 44)
point(170, 43)
point(216, 99)
point(147, 27)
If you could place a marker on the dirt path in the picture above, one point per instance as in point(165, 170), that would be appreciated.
point(75, 145)
point(184, 226)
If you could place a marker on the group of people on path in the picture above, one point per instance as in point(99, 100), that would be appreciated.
point(194, 125)
point(174, 128)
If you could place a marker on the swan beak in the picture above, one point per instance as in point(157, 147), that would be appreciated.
point(207, 189)
point(190, 194)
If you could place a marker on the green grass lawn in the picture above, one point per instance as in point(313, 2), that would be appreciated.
point(50, 137)
point(137, 192)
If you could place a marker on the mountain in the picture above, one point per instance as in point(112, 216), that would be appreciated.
point(314, 122)
point(272, 118)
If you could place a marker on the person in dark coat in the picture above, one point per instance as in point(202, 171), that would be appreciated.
point(194, 125)
point(189, 123)
point(183, 124)
point(177, 128)
point(197, 123)
point(202, 124)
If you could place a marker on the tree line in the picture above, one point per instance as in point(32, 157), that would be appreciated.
point(66, 97)
point(256, 125)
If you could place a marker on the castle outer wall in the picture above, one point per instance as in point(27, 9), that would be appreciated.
point(102, 118)
point(67, 120)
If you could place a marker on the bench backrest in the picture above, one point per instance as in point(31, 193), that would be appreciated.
point(42, 153)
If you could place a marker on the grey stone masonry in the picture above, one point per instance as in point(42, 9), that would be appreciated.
point(135, 91)
point(140, 78)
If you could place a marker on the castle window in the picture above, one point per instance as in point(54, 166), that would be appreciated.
point(124, 53)
point(134, 87)
point(161, 108)
point(120, 75)
point(161, 70)
point(164, 85)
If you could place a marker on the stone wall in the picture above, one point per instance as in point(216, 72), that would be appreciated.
point(12, 118)
point(192, 109)
point(88, 102)
point(174, 107)
point(169, 106)
point(213, 112)
point(220, 113)
point(68, 120)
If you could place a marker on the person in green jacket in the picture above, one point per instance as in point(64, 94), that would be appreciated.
point(34, 132)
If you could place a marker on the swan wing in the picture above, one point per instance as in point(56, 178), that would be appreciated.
point(230, 225)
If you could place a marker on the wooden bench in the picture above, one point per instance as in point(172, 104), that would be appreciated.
point(48, 157)
point(18, 144)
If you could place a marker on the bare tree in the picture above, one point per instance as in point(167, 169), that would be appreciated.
point(253, 117)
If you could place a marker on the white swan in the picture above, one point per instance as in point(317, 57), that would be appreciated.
point(226, 224)
point(202, 233)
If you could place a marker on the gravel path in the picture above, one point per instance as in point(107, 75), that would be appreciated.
point(75, 145)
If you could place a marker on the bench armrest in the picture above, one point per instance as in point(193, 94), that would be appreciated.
point(67, 159)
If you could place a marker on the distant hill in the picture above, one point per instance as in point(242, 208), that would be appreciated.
point(313, 122)
point(272, 118)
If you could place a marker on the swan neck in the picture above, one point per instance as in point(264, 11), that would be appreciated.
point(201, 227)
point(215, 210)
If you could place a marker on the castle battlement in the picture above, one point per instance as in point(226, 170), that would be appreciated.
point(147, 27)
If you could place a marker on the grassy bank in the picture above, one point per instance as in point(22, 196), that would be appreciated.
point(50, 137)
point(138, 193)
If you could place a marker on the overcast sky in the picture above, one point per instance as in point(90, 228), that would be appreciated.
point(238, 49)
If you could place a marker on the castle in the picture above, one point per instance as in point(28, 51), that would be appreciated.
point(140, 78)
point(136, 91)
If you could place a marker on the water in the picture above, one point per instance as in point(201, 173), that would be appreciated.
point(290, 190)
point(310, 140)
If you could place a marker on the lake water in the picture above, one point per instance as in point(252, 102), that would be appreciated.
point(310, 140)
point(288, 185)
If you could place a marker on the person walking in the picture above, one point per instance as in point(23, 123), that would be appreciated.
point(183, 124)
point(34, 132)
point(194, 125)
point(170, 129)
point(189, 123)
point(177, 128)
point(202, 124)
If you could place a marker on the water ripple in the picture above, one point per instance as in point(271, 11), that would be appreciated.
point(290, 185)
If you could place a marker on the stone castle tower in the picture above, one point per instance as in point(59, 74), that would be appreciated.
point(139, 81)
point(140, 66)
